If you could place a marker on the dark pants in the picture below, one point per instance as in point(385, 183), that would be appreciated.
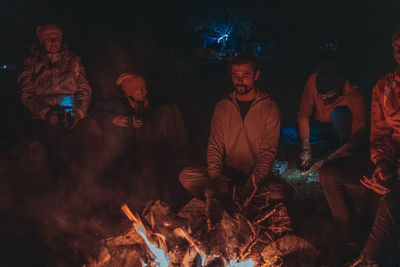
point(274, 191)
point(348, 199)
point(333, 134)
point(196, 179)
point(66, 146)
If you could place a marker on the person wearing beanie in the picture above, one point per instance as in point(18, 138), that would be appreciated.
point(54, 89)
point(368, 186)
point(331, 117)
point(50, 37)
point(139, 137)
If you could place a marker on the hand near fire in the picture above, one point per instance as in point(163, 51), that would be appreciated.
point(245, 193)
point(315, 167)
point(120, 121)
point(221, 185)
point(52, 117)
point(380, 180)
point(75, 118)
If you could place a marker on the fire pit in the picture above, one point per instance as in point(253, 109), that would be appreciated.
point(161, 238)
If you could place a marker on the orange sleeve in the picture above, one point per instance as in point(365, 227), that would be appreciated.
point(381, 132)
point(306, 107)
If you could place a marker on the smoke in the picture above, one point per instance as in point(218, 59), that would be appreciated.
point(67, 216)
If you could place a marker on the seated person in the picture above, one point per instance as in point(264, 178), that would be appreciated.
point(331, 114)
point(241, 148)
point(53, 87)
point(369, 187)
point(138, 136)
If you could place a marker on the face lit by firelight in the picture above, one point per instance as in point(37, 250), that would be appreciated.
point(52, 43)
point(243, 78)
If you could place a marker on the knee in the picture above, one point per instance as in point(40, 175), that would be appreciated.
point(341, 113)
point(389, 204)
point(289, 134)
point(327, 174)
point(183, 175)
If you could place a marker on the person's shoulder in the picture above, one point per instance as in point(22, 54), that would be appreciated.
point(35, 54)
point(312, 80)
point(351, 90)
point(266, 100)
point(226, 100)
point(384, 79)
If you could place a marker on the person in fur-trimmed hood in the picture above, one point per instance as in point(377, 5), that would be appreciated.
point(51, 75)
point(54, 88)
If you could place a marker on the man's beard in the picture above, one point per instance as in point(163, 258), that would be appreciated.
point(245, 90)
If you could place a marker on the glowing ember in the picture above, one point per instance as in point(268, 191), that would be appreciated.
point(161, 259)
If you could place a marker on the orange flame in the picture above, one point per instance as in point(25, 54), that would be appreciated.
point(161, 258)
point(182, 233)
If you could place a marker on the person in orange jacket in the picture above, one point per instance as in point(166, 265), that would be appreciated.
point(374, 193)
point(331, 113)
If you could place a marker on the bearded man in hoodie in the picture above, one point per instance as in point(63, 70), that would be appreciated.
point(242, 145)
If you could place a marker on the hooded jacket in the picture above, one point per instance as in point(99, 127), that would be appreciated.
point(48, 78)
point(247, 145)
point(385, 119)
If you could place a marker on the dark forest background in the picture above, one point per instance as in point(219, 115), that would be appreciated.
point(159, 39)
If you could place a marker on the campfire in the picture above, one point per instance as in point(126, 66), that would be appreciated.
point(158, 237)
point(158, 249)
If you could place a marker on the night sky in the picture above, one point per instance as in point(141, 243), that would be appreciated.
point(362, 28)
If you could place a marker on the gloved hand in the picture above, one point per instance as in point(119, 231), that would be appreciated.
point(74, 119)
point(138, 123)
point(305, 158)
point(315, 167)
point(380, 179)
point(305, 155)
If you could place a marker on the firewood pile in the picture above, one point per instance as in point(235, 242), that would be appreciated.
point(185, 239)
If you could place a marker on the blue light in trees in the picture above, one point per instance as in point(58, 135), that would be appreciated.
point(225, 36)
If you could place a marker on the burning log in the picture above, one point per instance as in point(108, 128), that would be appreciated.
point(159, 255)
point(235, 241)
